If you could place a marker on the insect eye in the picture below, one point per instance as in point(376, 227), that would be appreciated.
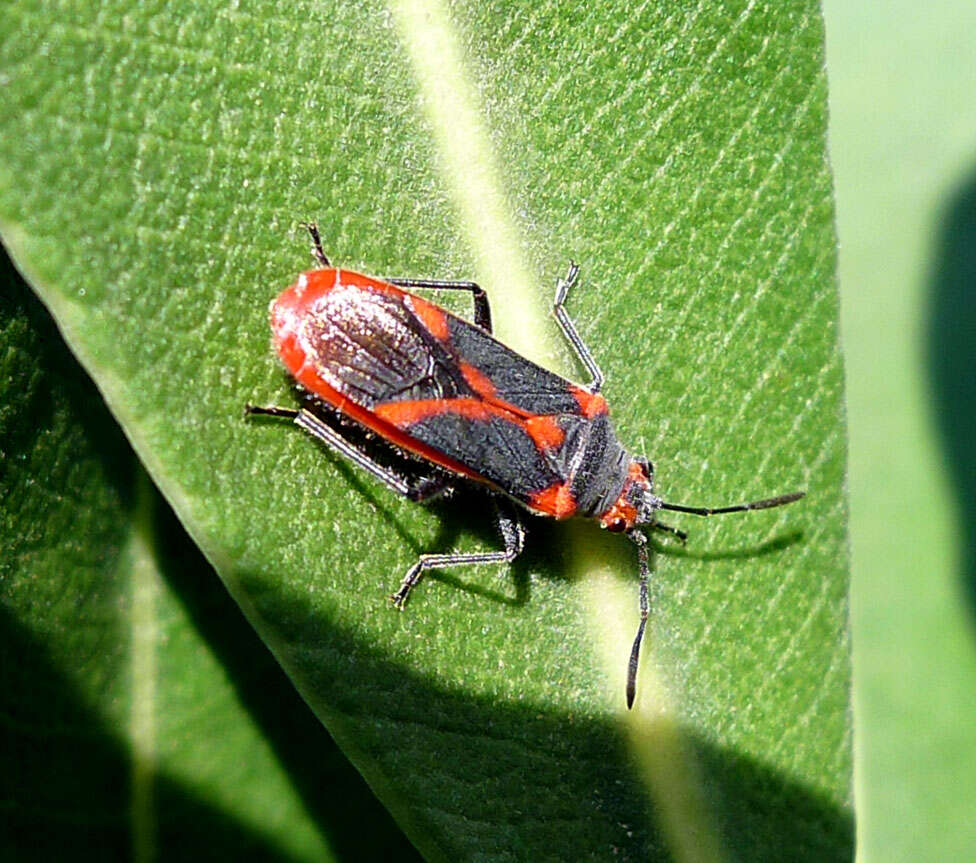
point(618, 525)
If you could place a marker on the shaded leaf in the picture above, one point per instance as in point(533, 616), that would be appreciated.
point(137, 703)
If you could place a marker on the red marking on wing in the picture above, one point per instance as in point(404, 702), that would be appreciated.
point(545, 432)
point(480, 383)
point(404, 414)
point(556, 500)
point(591, 404)
point(432, 316)
point(286, 314)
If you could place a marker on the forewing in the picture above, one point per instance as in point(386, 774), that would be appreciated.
point(370, 347)
point(496, 447)
point(515, 380)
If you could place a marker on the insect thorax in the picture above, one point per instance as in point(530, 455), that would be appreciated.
point(596, 464)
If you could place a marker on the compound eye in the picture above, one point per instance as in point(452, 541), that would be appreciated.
point(618, 525)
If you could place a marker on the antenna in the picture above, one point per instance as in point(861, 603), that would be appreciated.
point(768, 503)
point(641, 542)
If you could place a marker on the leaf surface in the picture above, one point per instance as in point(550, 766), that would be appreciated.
point(154, 162)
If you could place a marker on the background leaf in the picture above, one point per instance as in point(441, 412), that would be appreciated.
point(155, 160)
point(903, 144)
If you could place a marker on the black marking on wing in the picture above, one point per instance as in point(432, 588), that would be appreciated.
point(500, 451)
point(518, 381)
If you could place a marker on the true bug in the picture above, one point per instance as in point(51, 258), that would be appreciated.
point(470, 410)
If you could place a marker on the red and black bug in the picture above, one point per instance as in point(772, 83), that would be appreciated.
point(443, 390)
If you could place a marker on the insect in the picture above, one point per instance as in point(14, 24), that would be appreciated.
point(469, 410)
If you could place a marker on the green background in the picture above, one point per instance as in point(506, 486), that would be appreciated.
point(903, 148)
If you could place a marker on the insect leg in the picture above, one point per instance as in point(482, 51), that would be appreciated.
point(641, 542)
point(569, 328)
point(426, 489)
point(431, 488)
point(317, 249)
point(482, 311)
point(513, 535)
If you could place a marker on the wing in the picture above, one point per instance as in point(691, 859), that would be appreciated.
point(434, 384)
point(511, 379)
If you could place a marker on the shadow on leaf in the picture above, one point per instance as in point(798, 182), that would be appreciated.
point(68, 477)
point(536, 778)
point(951, 354)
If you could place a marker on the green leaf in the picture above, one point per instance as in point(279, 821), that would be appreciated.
point(136, 699)
point(154, 162)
